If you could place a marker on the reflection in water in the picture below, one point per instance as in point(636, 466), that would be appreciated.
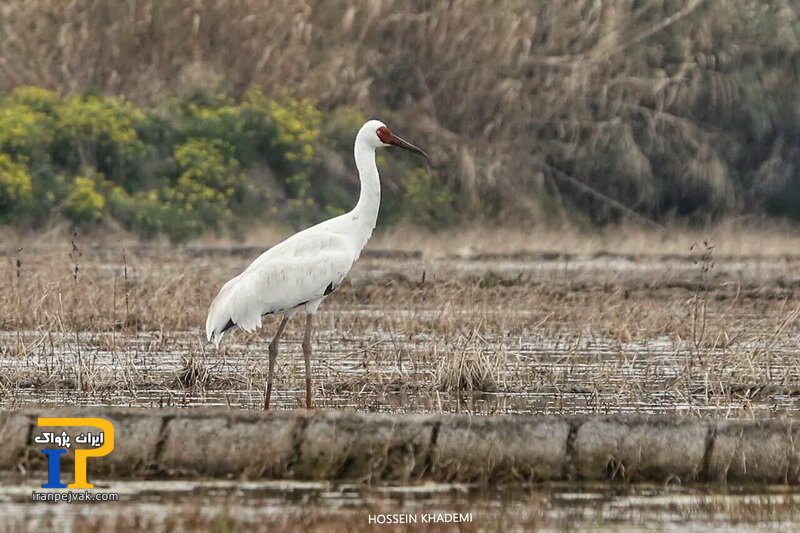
point(558, 505)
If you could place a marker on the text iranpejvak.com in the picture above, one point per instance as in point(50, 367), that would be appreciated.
point(420, 518)
point(70, 496)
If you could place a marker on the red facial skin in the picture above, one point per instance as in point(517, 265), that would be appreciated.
point(387, 137)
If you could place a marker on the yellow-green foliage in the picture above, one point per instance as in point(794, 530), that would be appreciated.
point(220, 121)
point(84, 203)
point(182, 166)
point(209, 164)
point(100, 128)
point(426, 202)
point(202, 196)
point(297, 125)
point(95, 118)
point(27, 123)
point(24, 129)
point(16, 191)
point(36, 98)
point(339, 127)
point(144, 211)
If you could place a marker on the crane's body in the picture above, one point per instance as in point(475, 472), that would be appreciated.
point(299, 272)
point(294, 274)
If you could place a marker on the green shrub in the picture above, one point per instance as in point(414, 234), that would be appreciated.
point(84, 204)
point(209, 163)
point(101, 133)
point(294, 128)
point(213, 116)
point(25, 131)
point(216, 118)
point(296, 123)
point(16, 191)
point(36, 98)
point(143, 212)
point(206, 190)
point(425, 201)
point(185, 166)
point(340, 127)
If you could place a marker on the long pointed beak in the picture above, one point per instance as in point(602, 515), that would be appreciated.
point(405, 145)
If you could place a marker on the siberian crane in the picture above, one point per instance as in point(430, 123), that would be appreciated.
point(299, 272)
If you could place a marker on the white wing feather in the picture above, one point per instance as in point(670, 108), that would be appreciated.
point(296, 271)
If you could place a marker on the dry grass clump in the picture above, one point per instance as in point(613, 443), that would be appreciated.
point(468, 371)
point(475, 365)
point(193, 374)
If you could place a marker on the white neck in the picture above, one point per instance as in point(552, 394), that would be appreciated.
point(365, 213)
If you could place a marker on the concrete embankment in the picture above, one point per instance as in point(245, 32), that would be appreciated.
point(174, 443)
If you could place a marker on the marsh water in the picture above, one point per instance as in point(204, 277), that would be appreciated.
point(289, 506)
point(544, 334)
point(530, 335)
point(537, 374)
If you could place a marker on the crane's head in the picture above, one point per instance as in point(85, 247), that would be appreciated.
point(376, 134)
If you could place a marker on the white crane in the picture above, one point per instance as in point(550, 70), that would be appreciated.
point(301, 271)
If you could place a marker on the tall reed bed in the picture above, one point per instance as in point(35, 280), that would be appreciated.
point(672, 107)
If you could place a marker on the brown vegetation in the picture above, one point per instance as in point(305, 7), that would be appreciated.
point(544, 331)
point(674, 107)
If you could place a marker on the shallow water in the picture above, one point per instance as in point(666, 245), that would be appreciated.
point(566, 355)
point(532, 373)
point(563, 356)
point(548, 506)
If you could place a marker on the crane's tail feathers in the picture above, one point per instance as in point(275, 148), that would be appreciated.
point(219, 315)
point(215, 334)
point(216, 338)
point(216, 326)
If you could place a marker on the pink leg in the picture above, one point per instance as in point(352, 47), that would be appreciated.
point(307, 356)
point(273, 355)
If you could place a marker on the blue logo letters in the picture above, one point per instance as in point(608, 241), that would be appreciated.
point(54, 469)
